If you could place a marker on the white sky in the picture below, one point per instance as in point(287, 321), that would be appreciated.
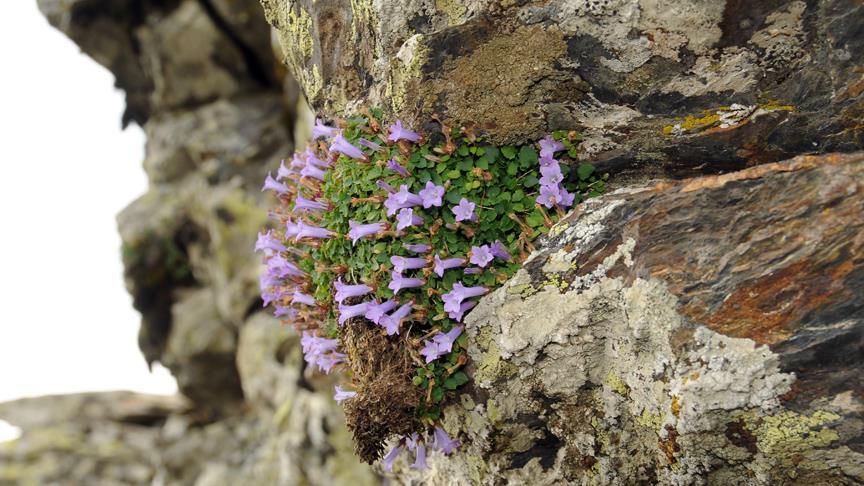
point(66, 322)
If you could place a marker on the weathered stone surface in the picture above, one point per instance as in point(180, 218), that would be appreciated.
point(701, 332)
point(682, 87)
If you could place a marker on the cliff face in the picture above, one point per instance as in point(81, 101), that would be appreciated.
point(702, 330)
point(219, 113)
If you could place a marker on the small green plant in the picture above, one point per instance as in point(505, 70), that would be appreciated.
point(386, 240)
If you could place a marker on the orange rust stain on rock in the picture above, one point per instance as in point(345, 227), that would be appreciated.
point(766, 310)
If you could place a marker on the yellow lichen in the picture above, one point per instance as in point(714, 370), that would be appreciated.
point(490, 366)
point(788, 432)
point(650, 420)
point(453, 8)
point(617, 384)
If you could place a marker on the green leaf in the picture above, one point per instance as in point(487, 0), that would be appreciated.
point(509, 152)
point(527, 156)
point(453, 174)
point(417, 380)
point(530, 180)
point(437, 394)
point(512, 169)
point(459, 378)
point(584, 171)
point(463, 150)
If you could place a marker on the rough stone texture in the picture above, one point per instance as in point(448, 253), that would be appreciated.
point(676, 86)
point(708, 331)
point(201, 78)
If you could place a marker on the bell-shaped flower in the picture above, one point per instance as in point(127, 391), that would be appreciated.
point(342, 395)
point(565, 199)
point(400, 263)
point(344, 291)
point(464, 211)
point(391, 457)
point(463, 308)
point(378, 311)
point(547, 161)
point(431, 195)
point(278, 266)
point(398, 282)
point(268, 243)
point(271, 184)
point(301, 298)
point(358, 231)
point(398, 132)
point(548, 196)
point(312, 159)
point(548, 146)
point(406, 218)
point(431, 351)
point(392, 322)
point(343, 146)
point(370, 144)
point(313, 172)
point(481, 255)
point(285, 311)
point(284, 172)
point(401, 199)
point(297, 162)
point(417, 247)
point(395, 166)
point(443, 442)
point(387, 187)
point(350, 311)
point(322, 130)
point(453, 299)
point(291, 230)
point(442, 265)
point(500, 251)
point(303, 204)
point(308, 231)
point(419, 458)
point(445, 339)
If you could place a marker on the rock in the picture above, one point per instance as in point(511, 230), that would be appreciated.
point(675, 87)
point(699, 332)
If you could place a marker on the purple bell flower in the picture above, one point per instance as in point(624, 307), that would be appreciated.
point(407, 218)
point(547, 161)
point(398, 282)
point(431, 351)
point(481, 255)
point(453, 299)
point(548, 146)
point(291, 230)
point(342, 395)
point(551, 175)
point(500, 251)
point(417, 247)
point(279, 267)
point(271, 184)
point(286, 312)
point(301, 298)
point(445, 339)
point(344, 147)
point(463, 308)
point(369, 144)
point(548, 196)
point(284, 172)
point(322, 130)
point(392, 322)
point(313, 172)
point(308, 231)
point(377, 311)
point(464, 211)
point(398, 132)
point(344, 291)
point(358, 231)
point(400, 263)
point(321, 352)
point(565, 199)
point(431, 195)
point(350, 311)
point(401, 199)
point(395, 166)
point(387, 187)
point(443, 265)
point(419, 458)
point(443, 442)
point(303, 204)
point(297, 162)
point(312, 159)
point(391, 457)
point(268, 243)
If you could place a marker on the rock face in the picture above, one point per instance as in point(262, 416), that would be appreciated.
point(675, 86)
point(708, 331)
point(202, 79)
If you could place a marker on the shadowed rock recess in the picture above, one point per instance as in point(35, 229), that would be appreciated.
point(701, 324)
point(201, 78)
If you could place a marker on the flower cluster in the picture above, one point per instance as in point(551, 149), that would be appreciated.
point(377, 228)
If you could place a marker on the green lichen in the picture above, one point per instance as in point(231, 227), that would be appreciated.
point(491, 367)
point(477, 468)
point(363, 13)
point(650, 420)
point(300, 30)
point(406, 71)
point(788, 433)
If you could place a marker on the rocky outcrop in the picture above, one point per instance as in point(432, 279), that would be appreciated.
point(671, 87)
point(708, 331)
point(201, 78)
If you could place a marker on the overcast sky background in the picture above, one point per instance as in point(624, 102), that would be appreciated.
point(66, 322)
